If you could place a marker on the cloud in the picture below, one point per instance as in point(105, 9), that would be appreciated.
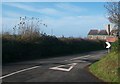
point(22, 6)
point(70, 7)
point(48, 11)
point(57, 10)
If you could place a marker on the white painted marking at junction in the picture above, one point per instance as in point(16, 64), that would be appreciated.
point(63, 69)
point(18, 72)
point(80, 57)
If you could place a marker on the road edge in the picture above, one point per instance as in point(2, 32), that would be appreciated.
point(88, 70)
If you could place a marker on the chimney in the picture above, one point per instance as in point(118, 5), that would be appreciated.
point(108, 29)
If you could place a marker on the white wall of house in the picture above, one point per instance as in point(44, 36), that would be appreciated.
point(101, 37)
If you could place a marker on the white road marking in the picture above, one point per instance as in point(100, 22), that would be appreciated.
point(65, 60)
point(79, 61)
point(79, 57)
point(63, 69)
point(19, 72)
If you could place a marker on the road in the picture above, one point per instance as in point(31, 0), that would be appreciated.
point(71, 68)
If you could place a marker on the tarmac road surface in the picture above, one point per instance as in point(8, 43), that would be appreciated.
point(71, 68)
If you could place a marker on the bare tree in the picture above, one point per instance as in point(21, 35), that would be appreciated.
point(29, 28)
point(113, 9)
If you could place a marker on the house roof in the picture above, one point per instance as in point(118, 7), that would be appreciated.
point(93, 32)
point(103, 32)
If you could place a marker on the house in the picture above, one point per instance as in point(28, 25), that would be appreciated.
point(109, 33)
point(93, 34)
point(96, 34)
point(102, 34)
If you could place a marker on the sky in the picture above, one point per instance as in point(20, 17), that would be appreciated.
point(69, 19)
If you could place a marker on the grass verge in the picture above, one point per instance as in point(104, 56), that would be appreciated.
point(107, 68)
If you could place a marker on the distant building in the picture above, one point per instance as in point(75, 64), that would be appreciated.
point(96, 34)
point(102, 34)
point(93, 34)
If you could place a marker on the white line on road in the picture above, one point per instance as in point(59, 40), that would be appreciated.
point(19, 72)
point(80, 61)
point(80, 57)
point(63, 69)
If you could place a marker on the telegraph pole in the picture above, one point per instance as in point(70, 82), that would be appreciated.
point(109, 29)
point(108, 43)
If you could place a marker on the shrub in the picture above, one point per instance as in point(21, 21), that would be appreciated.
point(45, 46)
point(116, 46)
